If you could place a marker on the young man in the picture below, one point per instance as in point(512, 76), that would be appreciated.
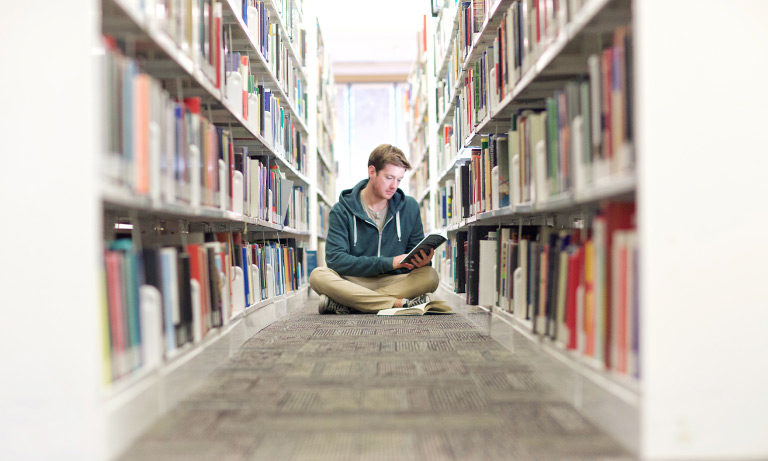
point(372, 227)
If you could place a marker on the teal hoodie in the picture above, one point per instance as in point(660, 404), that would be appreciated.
point(354, 246)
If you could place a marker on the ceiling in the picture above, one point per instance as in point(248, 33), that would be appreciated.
point(369, 40)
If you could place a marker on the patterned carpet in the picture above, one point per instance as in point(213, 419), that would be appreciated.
point(362, 387)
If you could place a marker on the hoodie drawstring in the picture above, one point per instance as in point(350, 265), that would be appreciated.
point(397, 219)
point(354, 221)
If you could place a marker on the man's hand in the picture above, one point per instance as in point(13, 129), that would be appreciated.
point(419, 260)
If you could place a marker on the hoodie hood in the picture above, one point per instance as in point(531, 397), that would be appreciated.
point(350, 198)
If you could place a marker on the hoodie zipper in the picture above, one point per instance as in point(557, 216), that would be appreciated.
point(378, 250)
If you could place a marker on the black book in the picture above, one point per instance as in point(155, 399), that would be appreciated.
point(460, 266)
point(553, 272)
point(261, 110)
point(237, 254)
point(629, 80)
point(513, 264)
point(214, 288)
point(151, 266)
point(534, 272)
point(466, 190)
point(475, 234)
point(184, 328)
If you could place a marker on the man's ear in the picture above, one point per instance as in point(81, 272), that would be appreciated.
point(371, 171)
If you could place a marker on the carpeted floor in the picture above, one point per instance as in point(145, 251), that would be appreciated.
point(362, 387)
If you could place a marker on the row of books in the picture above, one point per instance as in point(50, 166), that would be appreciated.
point(326, 181)
point(577, 287)
point(198, 30)
point(157, 300)
point(264, 112)
point(426, 210)
point(419, 141)
point(323, 217)
point(157, 145)
point(418, 182)
point(289, 13)
point(525, 30)
point(489, 80)
point(417, 119)
point(326, 92)
point(325, 137)
point(268, 195)
point(274, 48)
point(581, 138)
point(168, 150)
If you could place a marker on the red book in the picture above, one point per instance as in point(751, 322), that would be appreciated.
point(571, 315)
point(115, 302)
point(141, 89)
point(618, 216)
point(197, 266)
point(500, 61)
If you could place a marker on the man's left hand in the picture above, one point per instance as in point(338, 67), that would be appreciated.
point(421, 259)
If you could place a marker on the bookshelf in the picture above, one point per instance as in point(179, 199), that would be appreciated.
point(323, 110)
point(669, 411)
point(63, 386)
point(419, 118)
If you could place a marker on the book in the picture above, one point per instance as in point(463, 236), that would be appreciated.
point(430, 308)
point(430, 242)
point(475, 234)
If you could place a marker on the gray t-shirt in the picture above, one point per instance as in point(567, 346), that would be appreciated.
point(378, 217)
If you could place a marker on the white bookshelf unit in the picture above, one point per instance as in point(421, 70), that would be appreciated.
point(696, 149)
point(55, 404)
point(322, 113)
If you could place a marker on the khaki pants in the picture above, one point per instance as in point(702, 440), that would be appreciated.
point(372, 294)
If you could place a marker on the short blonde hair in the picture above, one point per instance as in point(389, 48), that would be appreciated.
point(387, 154)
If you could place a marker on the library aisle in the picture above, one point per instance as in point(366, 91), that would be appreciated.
point(360, 387)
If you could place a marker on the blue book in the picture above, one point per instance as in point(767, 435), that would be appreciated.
point(169, 280)
point(246, 273)
point(311, 260)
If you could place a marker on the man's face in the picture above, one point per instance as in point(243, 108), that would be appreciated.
point(384, 183)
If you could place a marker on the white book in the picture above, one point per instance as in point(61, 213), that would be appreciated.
point(151, 307)
point(521, 296)
point(238, 290)
point(495, 188)
point(237, 192)
point(540, 170)
point(234, 91)
point(196, 313)
point(488, 265)
point(170, 289)
point(195, 193)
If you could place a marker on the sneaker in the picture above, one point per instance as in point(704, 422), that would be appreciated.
point(329, 306)
point(423, 299)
